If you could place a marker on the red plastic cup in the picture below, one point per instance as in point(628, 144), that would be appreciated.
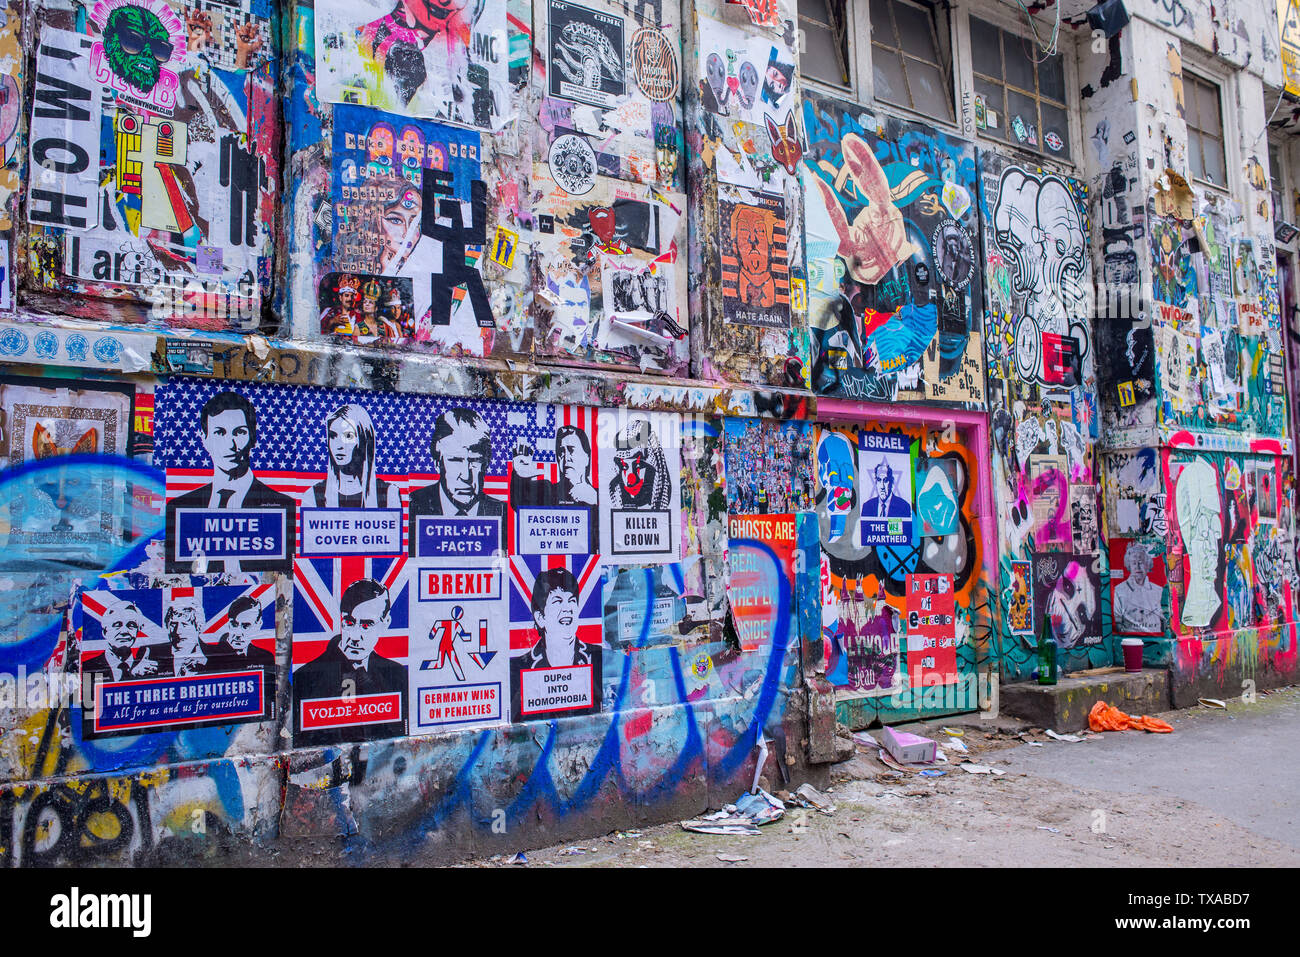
point(1132, 654)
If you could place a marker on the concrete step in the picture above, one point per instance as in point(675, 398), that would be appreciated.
point(1064, 706)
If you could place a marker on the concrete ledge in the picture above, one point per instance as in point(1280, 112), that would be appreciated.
point(1064, 706)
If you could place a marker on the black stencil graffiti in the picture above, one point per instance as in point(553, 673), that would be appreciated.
point(454, 238)
point(244, 174)
point(587, 62)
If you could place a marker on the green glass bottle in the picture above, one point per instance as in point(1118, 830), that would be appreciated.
point(1046, 653)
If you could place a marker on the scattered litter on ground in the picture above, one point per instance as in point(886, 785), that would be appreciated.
point(933, 773)
point(1212, 703)
point(762, 760)
point(890, 762)
point(953, 732)
point(1035, 744)
point(1104, 717)
point(809, 796)
point(760, 807)
point(1072, 738)
point(957, 745)
point(908, 748)
point(730, 858)
point(726, 824)
point(981, 769)
point(1054, 830)
point(864, 739)
point(517, 859)
point(572, 850)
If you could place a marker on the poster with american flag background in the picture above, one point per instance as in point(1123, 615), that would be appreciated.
point(163, 659)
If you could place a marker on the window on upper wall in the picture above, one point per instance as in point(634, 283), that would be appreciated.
point(909, 60)
point(1204, 114)
point(824, 53)
point(1275, 179)
point(1019, 91)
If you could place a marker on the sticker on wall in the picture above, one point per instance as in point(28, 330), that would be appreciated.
point(142, 48)
point(768, 466)
point(441, 61)
point(504, 246)
point(168, 659)
point(1053, 141)
point(931, 631)
point(1137, 582)
point(640, 457)
point(1021, 616)
point(556, 636)
point(586, 54)
point(654, 64)
point(366, 308)
point(981, 114)
point(755, 268)
point(953, 253)
point(573, 164)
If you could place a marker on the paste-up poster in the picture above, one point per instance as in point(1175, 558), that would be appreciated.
point(611, 287)
point(168, 659)
point(554, 477)
point(931, 631)
point(350, 644)
point(938, 496)
point(886, 458)
point(446, 60)
point(587, 60)
point(754, 259)
point(1067, 590)
point(1050, 497)
point(743, 76)
point(1265, 491)
point(160, 158)
point(409, 208)
point(768, 466)
point(1083, 517)
point(460, 641)
point(66, 513)
point(459, 454)
point(230, 453)
point(1137, 588)
point(1021, 614)
point(761, 587)
point(654, 605)
point(353, 453)
point(640, 495)
point(555, 636)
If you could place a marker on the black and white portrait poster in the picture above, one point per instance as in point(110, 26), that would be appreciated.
point(587, 61)
point(353, 450)
point(640, 497)
point(231, 475)
point(556, 636)
point(554, 475)
point(350, 644)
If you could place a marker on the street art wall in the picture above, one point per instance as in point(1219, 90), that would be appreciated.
point(1044, 414)
point(895, 292)
point(456, 426)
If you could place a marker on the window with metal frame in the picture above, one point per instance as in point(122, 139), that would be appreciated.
point(909, 61)
point(1203, 111)
point(824, 48)
point(1020, 91)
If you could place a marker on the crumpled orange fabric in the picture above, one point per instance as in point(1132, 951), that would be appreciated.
point(1105, 717)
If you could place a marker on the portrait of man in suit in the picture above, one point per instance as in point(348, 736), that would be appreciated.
point(350, 666)
point(885, 504)
point(234, 650)
point(185, 653)
point(228, 423)
point(462, 448)
point(121, 624)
